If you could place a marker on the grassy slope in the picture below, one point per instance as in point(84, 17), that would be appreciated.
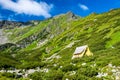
point(99, 31)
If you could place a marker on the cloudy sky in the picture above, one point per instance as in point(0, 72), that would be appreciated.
point(24, 10)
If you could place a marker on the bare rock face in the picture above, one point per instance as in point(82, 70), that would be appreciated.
point(70, 16)
point(9, 24)
point(3, 38)
point(12, 24)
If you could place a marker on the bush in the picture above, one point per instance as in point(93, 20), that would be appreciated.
point(31, 65)
point(88, 71)
point(81, 77)
point(37, 76)
point(54, 75)
point(8, 75)
point(102, 63)
point(95, 78)
point(69, 76)
point(69, 67)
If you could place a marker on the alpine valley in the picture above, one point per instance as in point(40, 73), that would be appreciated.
point(43, 50)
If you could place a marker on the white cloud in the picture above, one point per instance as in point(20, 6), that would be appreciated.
point(29, 7)
point(84, 7)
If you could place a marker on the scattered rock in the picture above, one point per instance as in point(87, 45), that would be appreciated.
point(110, 71)
point(83, 64)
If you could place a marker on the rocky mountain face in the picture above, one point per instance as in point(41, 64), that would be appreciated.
point(52, 27)
point(48, 46)
point(12, 24)
point(3, 38)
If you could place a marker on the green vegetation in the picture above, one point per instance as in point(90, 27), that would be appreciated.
point(35, 45)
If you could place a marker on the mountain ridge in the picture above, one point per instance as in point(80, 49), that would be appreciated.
point(5, 23)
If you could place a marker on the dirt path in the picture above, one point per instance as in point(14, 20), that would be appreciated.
point(3, 38)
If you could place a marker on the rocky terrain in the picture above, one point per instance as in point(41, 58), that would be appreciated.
point(44, 50)
point(12, 24)
point(3, 38)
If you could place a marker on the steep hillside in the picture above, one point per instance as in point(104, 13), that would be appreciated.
point(34, 36)
point(12, 24)
point(3, 38)
point(50, 44)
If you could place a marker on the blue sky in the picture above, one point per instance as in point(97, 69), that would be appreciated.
point(24, 10)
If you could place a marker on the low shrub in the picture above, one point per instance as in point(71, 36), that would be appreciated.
point(88, 71)
point(69, 76)
point(37, 76)
point(69, 67)
point(54, 75)
point(8, 75)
